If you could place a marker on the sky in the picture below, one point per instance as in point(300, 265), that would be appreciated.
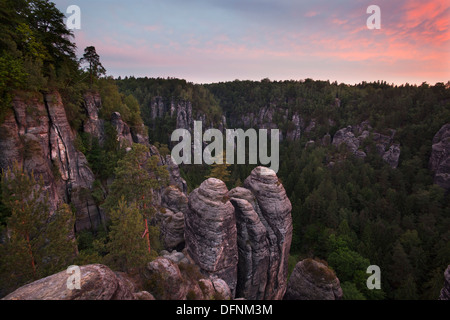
point(206, 41)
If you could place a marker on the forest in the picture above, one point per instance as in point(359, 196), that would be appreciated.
point(354, 213)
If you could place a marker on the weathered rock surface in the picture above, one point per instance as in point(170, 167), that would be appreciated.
point(440, 157)
point(173, 278)
point(274, 211)
point(172, 167)
point(242, 236)
point(253, 248)
point(166, 276)
point(93, 124)
point(313, 280)
point(210, 231)
point(445, 292)
point(38, 136)
point(72, 164)
point(123, 130)
point(98, 282)
point(171, 217)
point(353, 136)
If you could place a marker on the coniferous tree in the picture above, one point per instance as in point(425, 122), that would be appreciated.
point(136, 176)
point(36, 244)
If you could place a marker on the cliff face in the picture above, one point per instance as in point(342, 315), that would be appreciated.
point(37, 134)
point(445, 292)
point(440, 157)
point(183, 112)
point(98, 282)
point(265, 118)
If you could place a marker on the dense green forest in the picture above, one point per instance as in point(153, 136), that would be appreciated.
point(358, 212)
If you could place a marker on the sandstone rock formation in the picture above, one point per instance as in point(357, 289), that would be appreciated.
point(171, 218)
point(93, 124)
point(313, 280)
point(123, 130)
point(445, 292)
point(210, 231)
point(253, 247)
point(242, 236)
point(274, 210)
point(183, 113)
point(440, 157)
point(98, 282)
point(37, 134)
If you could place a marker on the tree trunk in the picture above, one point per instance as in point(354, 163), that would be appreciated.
point(30, 252)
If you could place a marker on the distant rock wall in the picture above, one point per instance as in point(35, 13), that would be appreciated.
point(98, 282)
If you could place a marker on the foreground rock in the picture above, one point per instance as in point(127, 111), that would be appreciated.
point(313, 280)
point(37, 134)
point(170, 217)
point(440, 157)
point(242, 236)
point(253, 246)
point(98, 282)
point(445, 292)
point(210, 231)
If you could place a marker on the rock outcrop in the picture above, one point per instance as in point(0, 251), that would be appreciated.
point(210, 231)
point(93, 124)
point(171, 217)
point(313, 280)
point(38, 136)
point(98, 282)
point(353, 136)
point(274, 210)
point(172, 167)
point(445, 292)
point(253, 246)
point(440, 157)
point(175, 277)
point(242, 236)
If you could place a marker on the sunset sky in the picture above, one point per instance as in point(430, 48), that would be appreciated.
point(206, 41)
